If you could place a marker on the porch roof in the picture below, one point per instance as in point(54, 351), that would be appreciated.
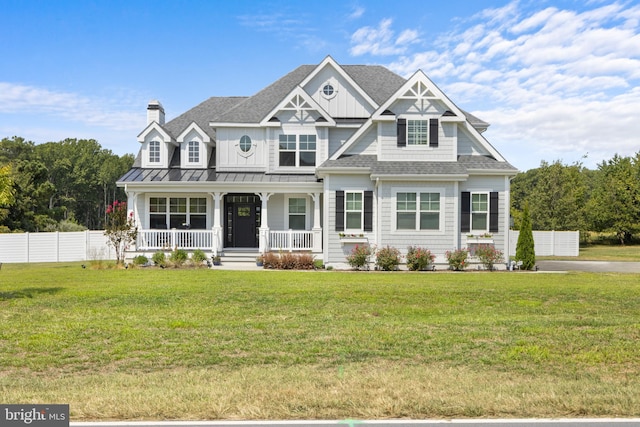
point(140, 175)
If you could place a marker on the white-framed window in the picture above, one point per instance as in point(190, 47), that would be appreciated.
point(177, 212)
point(297, 213)
point(479, 211)
point(194, 152)
point(353, 210)
point(417, 132)
point(297, 150)
point(154, 151)
point(417, 210)
point(245, 143)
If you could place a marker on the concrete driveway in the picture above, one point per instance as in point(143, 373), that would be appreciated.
point(591, 266)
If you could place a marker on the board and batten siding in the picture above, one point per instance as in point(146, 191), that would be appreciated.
point(346, 101)
point(232, 158)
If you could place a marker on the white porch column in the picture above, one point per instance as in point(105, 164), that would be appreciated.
point(264, 223)
point(217, 224)
point(317, 229)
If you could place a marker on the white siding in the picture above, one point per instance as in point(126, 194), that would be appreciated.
point(467, 145)
point(337, 137)
point(346, 102)
point(231, 157)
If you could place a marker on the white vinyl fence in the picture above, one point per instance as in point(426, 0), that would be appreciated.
point(550, 243)
point(55, 247)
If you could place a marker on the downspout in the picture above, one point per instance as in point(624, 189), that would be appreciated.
point(378, 234)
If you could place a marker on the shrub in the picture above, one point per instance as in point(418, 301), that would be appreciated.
point(359, 256)
point(388, 258)
point(159, 259)
point(198, 256)
point(457, 259)
point(525, 248)
point(418, 258)
point(178, 257)
point(120, 229)
point(288, 261)
point(140, 260)
point(488, 256)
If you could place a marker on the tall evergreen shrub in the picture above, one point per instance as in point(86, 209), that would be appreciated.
point(525, 250)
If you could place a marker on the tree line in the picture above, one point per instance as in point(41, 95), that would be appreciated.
point(572, 197)
point(57, 186)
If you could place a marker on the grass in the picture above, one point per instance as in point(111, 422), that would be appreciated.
point(203, 344)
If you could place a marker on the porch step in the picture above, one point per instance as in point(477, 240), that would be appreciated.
point(246, 256)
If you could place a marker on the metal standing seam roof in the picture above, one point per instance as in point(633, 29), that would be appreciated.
point(164, 175)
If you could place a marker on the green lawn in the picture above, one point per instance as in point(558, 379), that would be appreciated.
point(196, 344)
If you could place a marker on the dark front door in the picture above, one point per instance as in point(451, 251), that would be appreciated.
point(242, 220)
point(244, 225)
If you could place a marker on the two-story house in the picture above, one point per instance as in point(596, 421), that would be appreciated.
point(327, 157)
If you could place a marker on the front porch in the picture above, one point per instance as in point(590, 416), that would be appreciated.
point(211, 240)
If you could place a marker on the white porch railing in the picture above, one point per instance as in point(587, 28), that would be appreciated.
point(287, 240)
point(291, 240)
point(170, 239)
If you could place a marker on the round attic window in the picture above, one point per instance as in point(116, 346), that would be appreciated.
point(327, 90)
point(245, 143)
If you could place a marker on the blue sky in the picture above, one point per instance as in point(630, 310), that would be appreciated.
point(557, 80)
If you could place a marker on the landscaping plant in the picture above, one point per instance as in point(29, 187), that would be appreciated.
point(359, 256)
point(120, 229)
point(489, 256)
point(457, 259)
point(388, 258)
point(419, 258)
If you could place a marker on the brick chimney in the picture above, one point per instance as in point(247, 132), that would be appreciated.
point(155, 112)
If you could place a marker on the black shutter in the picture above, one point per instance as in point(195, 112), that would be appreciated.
point(493, 212)
point(465, 224)
point(433, 132)
point(339, 210)
point(368, 211)
point(402, 132)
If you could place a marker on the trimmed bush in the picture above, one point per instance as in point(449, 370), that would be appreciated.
point(488, 256)
point(457, 259)
point(178, 257)
point(388, 258)
point(419, 258)
point(359, 257)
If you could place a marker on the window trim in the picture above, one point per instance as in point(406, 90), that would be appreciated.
point(168, 208)
point(298, 149)
point(486, 212)
point(346, 211)
point(417, 191)
point(154, 149)
point(196, 145)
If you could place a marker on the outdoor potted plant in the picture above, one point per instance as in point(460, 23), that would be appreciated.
point(260, 260)
point(216, 260)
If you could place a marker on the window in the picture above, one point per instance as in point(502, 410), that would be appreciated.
point(297, 213)
point(417, 211)
point(182, 212)
point(154, 152)
point(245, 143)
point(327, 90)
point(297, 150)
point(287, 150)
point(479, 211)
point(353, 211)
point(417, 132)
point(194, 152)
point(307, 150)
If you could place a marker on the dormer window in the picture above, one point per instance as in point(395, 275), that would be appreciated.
point(154, 151)
point(194, 152)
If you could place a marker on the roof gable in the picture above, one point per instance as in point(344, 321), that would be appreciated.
point(301, 104)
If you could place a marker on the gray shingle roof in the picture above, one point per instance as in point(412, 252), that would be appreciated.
point(202, 113)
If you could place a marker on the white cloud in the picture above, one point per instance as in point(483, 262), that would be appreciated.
point(552, 82)
point(116, 114)
point(381, 41)
point(357, 12)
